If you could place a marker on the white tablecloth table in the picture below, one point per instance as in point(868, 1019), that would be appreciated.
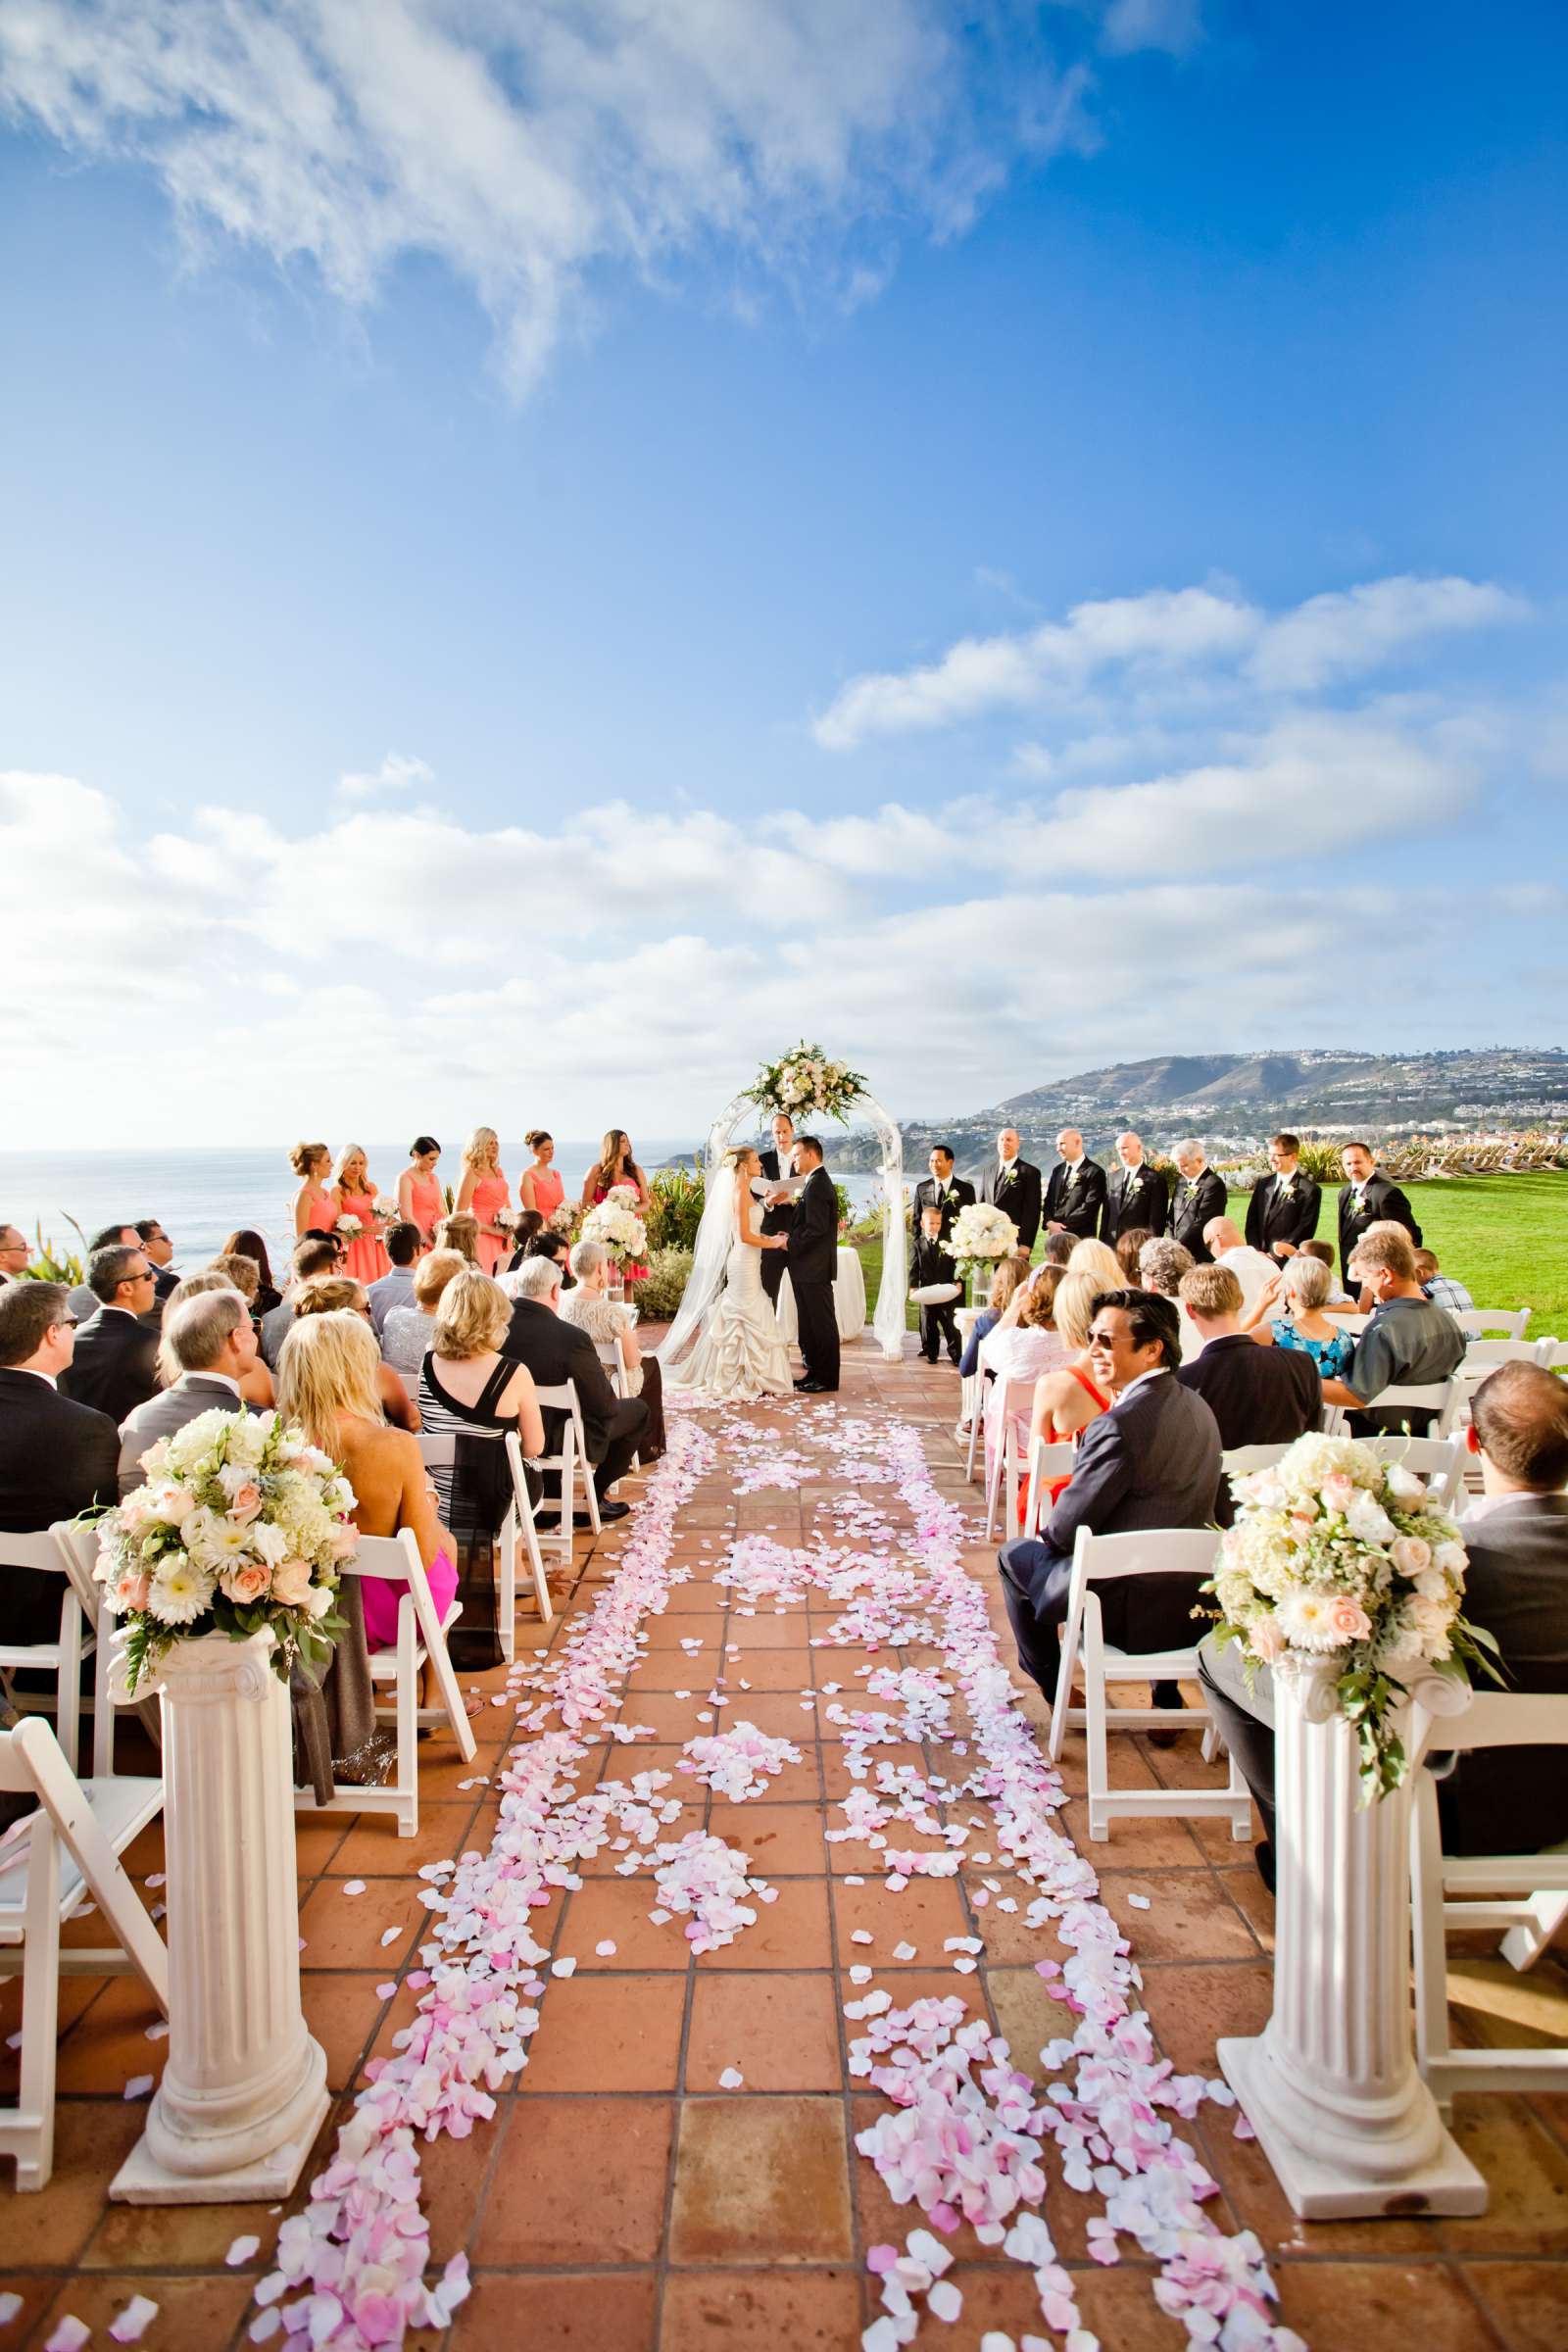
point(849, 1299)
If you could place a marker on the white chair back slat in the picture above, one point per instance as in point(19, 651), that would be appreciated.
point(411, 1382)
point(1047, 1463)
point(1506, 1322)
point(570, 1463)
point(62, 1657)
point(521, 1524)
point(1439, 1461)
point(1485, 1355)
point(1439, 1397)
point(1007, 1405)
point(1240, 1462)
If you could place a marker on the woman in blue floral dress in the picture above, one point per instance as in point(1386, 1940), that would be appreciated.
point(1297, 1297)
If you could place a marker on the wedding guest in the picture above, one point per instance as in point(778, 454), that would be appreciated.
point(1368, 1197)
point(256, 1382)
point(530, 1224)
point(609, 1323)
point(1004, 1282)
point(1258, 1396)
point(1408, 1342)
point(405, 1244)
point(1057, 1248)
point(617, 1166)
point(1136, 1198)
point(1283, 1213)
point(540, 1186)
point(1032, 1347)
point(1252, 1269)
point(1091, 1257)
point(248, 1243)
point(315, 1255)
point(774, 1162)
point(484, 1194)
point(1151, 1461)
point(58, 1457)
point(942, 1191)
point(469, 1391)
point(462, 1234)
point(1161, 1263)
point(1339, 1299)
point(208, 1345)
point(1129, 1247)
point(314, 1209)
point(1013, 1186)
point(557, 1250)
point(115, 1367)
point(241, 1273)
point(406, 1332)
point(15, 1254)
point(337, 1295)
point(354, 1196)
point(1075, 1195)
point(1295, 1300)
point(1067, 1398)
point(1199, 1195)
point(1441, 1289)
point(931, 1267)
point(159, 1252)
point(84, 1299)
point(555, 1351)
point(420, 1202)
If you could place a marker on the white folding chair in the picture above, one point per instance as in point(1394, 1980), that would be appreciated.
point(1485, 1355)
point(40, 1888)
point(615, 1372)
point(439, 1452)
point(79, 1546)
point(1240, 1462)
point(1107, 1559)
point(1440, 1461)
point(1508, 1322)
point(411, 1382)
point(1046, 1462)
point(978, 1387)
point(62, 1657)
point(1526, 1895)
point(573, 1461)
point(521, 1524)
point(1006, 1403)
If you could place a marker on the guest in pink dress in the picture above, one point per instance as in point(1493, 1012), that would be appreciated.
point(364, 1259)
point(314, 1209)
point(419, 1196)
point(617, 1166)
point(539, 1187)
point(483, 1192)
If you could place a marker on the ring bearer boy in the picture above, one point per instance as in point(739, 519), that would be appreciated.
point(931, 1265)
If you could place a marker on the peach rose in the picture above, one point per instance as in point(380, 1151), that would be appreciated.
point(245, 1503)
point(1410, 1555)
point(291, 1581)
point(1340, 1492)
point(246, 1582)
point(133, 1593)
point(1265, 1640)
point(1347, 1620)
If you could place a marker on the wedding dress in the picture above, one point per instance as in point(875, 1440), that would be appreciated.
point(740, 1354)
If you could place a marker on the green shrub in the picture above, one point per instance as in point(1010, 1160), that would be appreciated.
point(56, 1265)
point(676, 1207)
point(669, 1271)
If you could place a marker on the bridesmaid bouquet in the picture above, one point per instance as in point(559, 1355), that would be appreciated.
point(351, 1227)
point(241, 1525)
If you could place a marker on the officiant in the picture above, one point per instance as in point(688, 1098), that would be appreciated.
point(777, 1218)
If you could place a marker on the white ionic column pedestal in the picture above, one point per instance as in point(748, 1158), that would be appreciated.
point(1331, 2085)
point(244, 2090)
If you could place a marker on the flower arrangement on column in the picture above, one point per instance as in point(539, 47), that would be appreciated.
point(616, 1225)
point(981, 1238)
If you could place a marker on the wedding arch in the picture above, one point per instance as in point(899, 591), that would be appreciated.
point(809, 1085)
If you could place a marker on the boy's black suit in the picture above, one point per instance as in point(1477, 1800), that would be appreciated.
point(930, 1263)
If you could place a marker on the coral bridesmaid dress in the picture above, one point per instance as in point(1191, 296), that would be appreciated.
point(365, 1257)
point(428, 1205)
point(320, 1213)
point(548, 1192)
point(491, 1193)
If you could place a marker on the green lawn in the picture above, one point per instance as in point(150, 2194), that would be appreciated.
point(1506, 1238)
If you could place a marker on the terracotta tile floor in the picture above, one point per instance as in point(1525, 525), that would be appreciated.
point(623, 2199)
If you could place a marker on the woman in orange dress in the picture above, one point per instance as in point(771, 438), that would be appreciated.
point(1066, 1399)
point(364, 1259)
point(539, 1187)
point(483, 1192)
point(419, 1198)
point(617, 1166)
point(314, 1211)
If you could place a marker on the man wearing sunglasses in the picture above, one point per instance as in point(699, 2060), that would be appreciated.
point(115, 1367)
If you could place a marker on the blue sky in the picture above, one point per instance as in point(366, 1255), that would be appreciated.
point(548, 559)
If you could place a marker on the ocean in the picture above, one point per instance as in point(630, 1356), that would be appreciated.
point(201, 1198)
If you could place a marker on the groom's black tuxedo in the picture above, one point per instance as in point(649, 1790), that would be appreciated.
point(1134, 1197)
point(1076, 1197)
point(774, 1220)
point(812, 1261)
point(1016, 1190)
point(957, 1193)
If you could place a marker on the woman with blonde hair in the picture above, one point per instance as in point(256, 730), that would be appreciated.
point(408, 1330)
point(726, 1328)
point(460, 1234)
point(365, 1256)
point(256, 1384)
point(540, 1188)
point(1098, 1258)
point(336, 1294)
point(617, 1166)
point(314, 1211)
point(484, 1194)
point(472, 1392)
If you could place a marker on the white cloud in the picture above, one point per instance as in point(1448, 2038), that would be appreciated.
point(1337, 636)
point(529, 143)
point(1175, 26)
point(396, 774)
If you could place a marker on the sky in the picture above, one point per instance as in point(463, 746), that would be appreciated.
point(554, 548)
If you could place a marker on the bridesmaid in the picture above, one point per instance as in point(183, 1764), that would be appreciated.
point(617, 1166)
point(314, 1211)
point(483, 1191)
point(364, 1259)
point(539, 1187)
point(419, 1200)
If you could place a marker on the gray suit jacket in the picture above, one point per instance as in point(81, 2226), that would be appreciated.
point(194, 1393)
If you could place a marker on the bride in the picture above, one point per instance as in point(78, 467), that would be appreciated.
point(740, 1354)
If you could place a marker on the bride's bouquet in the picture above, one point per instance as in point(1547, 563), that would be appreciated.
point(981, 1236)
point(617, 1226)
point(1339, 1554)
point(241, 1525)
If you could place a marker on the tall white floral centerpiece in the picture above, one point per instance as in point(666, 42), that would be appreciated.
point(981, 1236)
point(223, 1570)
point(1346, 1582)
point(615, 1222)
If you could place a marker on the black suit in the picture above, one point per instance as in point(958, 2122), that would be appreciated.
point(57, 1458)
point(929, 1264)
point(1191, 1206)
point(812, 1261)
point(1016, 1190)
point(555, 1351)
point(1152, 1461)
point(774, 1220)
point(1381, 1202)
point(115, 1364)
point(957, 1193)
point(165, 1282)
point(1274, 1215)
point(1134, 1197)
point(1078, 1199)
point(1258, 1395)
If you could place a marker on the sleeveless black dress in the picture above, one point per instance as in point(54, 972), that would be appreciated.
point(473, 1497)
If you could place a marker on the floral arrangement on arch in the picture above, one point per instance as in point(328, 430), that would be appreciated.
point(616, 1224)
point(1338, 1554)
point(808, 1085)
point(240, 1528)
point(981, 1234)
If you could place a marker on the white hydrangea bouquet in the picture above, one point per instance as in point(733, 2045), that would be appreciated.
point(616, 1225)
point(808, 1085)
point(981, 1234)
point(240, 1526)
point(1338, 1554)
point(350, 1225)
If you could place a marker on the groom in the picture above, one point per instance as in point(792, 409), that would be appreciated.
point(812, 1257)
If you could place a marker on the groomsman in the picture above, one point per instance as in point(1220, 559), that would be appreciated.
point(1135, 1195)
point(1368, 1198)
point(1012, 1185)
point(1075, 1197)
point(1282, 1214)
point(777, 1164)
point(1199, 1195)
point(941, 1190)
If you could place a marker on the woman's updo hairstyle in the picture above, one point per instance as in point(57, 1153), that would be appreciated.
point(304, 1157)
point(537, 1136)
